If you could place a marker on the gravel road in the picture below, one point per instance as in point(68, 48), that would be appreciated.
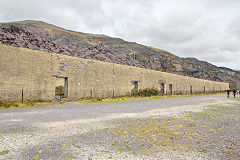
point(204, 127)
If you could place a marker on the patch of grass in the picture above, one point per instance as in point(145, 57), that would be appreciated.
point(26, 103)
point(36, 157)
point(8, 104)
point(148, 135)
point(3, 153)
point(64, 146)
point(206, 114)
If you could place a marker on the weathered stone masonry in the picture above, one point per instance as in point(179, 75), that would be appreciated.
point(37, 73)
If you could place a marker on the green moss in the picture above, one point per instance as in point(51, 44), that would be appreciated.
point(3, 153)
point(36, 157)
point(64, 146)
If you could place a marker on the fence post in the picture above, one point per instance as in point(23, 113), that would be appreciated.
point(91, 93)
point(22, 95)
point(113, 94)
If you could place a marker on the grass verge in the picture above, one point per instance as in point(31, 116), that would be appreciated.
point(31, 103)
point(125, 99)
point(26, 104)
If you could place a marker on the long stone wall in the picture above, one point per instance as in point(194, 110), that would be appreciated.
point(36, 73)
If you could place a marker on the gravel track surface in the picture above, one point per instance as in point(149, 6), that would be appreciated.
point(204, 127)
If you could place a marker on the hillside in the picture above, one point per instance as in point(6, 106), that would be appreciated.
point(43, 36)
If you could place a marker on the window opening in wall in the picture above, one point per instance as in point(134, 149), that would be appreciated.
point(170, 88)
point(65, 87)
point(162, 88)
point(190, 89)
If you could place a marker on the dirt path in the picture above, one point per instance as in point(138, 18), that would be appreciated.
point(204, 127)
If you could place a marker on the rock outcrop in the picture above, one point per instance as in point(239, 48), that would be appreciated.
point(20, 37)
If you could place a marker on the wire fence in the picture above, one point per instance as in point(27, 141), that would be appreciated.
point(26, 94)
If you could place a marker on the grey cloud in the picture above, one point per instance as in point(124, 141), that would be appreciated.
point(234, 26)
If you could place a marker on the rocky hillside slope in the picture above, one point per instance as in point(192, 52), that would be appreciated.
point(43, 36)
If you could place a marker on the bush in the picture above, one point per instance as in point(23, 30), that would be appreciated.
point(147, 92)
point(29, 102)
point(59, 90)
point(8, 104)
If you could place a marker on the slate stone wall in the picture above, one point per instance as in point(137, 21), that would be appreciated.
point(37, 73)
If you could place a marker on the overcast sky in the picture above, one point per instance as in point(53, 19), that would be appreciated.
point(205, 29)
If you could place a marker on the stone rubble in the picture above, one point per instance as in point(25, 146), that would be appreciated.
point(19, 37)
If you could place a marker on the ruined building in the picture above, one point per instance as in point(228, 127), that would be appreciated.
point(32, 74)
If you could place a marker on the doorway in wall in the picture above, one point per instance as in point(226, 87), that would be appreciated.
point(190, 89)
point(162, 88)
point(170, 88)
point(135, 88)
point(61, 87)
